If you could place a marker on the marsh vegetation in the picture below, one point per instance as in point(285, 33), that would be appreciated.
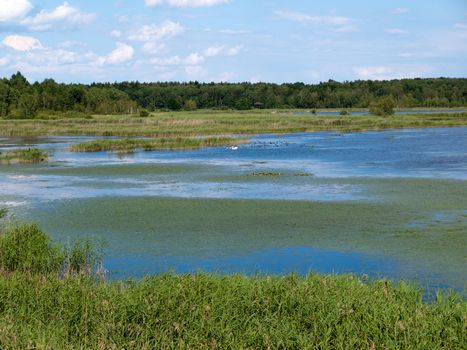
point(189, 124)
point(174, 143)
point(42, 307)
point(23, 156)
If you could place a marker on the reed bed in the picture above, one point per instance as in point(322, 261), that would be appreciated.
point(131, 145)
point(23, 156)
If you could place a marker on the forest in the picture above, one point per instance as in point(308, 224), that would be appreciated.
point(20, 99)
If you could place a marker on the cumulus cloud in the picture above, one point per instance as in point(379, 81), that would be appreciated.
point(11, 10)
point(342, 24)
point(186, 3)
point(22, 43)
point(121, 54)
point(64, 16)
point(155, 32)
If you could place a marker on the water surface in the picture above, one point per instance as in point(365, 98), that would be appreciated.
point(388, 203)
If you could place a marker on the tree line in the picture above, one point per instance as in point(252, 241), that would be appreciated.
point(21, 99)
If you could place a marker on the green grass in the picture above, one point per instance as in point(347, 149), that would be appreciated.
point(208, 122)
point(131, 145)
point(23, 156)
point(42, 309)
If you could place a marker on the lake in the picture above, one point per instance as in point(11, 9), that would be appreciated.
point(386, 204)
point(364, 112)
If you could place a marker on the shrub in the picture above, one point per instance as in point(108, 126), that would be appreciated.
point(143, 113)
point(190, 105)
point(383, 106)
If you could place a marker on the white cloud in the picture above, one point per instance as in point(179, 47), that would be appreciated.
point(192, 59)
point(391, 72)
point(71, 43)
point(11, 10)
point(154, 32)
point(4, 61)
point(222, 50)
point(62, 17)
point(186, 3)
point(115, 33)
point(214, 51)
point(342, 24)
point(400, 10)
point(153, 48)
point(51, 61)
point(396, 31)
point(121, 54)
point(22, 43)
point(303, 17)
point(233, 51)
point(234, 32)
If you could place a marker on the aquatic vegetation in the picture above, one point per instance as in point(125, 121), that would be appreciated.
point(42, 309)
point(272, 173)
point(23, 156)
point(131, 145)
point(264, 173)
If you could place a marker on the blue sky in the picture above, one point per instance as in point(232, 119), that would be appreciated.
point(232, 40)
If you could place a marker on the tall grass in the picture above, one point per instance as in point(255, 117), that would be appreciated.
point(29, 250)
point(42, 309)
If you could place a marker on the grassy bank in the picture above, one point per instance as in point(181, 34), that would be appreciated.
point(207, 122)
point(41, 307)
point(131, 145)
point(23, 156)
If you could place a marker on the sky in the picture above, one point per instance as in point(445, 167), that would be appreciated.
point(232, 40)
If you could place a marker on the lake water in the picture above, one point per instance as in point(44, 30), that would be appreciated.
point(397, 112)
point(388, 204)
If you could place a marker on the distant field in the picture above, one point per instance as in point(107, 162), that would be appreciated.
point(209, 122)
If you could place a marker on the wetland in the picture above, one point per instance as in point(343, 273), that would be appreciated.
point(367, 205)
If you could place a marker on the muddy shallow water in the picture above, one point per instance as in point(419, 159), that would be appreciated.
point(388, 204)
